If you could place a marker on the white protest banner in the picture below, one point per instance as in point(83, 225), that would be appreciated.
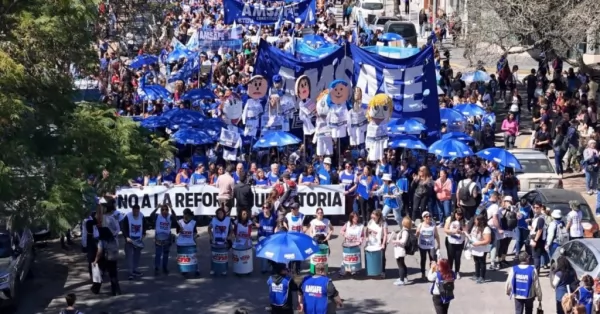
point(202, 199)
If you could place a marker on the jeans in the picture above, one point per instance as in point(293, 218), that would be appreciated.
point(402, 269)
point(366, 206)
point(558, 157)
point(591, 180)
point(133, 257)
point(524, 306)
point(444, 209)
point(424, 253)
point(454, 252)
point(495, 248)
point(396, 211)
point(480, 265)
point(422, 30)
point(111, 268)
point(161, 256)
point(509, 141)
point(523, 240)
point(419, 206)
point(538, 251)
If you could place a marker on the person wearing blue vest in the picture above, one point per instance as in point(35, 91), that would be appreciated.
point(318, 294)
point(281, 285)
point(442, 287)
point(163, 222)
point(392, 201)
point(266, 223)
point(523, 285)
point(348, 180)
point(325, 172)
point(585, 294)
point(383, 167)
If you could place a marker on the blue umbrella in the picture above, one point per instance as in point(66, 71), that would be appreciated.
point(401, 125)
point(314, 40)
point(186, 116)
point(143, 60)
point(284, 247)
point(470, 110)
point(198, 94)
point(476, 76)
point(154, 122)
point(192, 137)
point(177, 54)
point(275, 139)
point(450, 148)
point(390, 37)
point(450, 116)
point(406, 141)
point(461, 136)
point(501, 156)
point(153, 92)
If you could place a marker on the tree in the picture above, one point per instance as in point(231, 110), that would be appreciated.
point(554, 27)
point(49, 144)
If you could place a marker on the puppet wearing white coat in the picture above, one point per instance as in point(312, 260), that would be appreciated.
point(306, 106)
point(286, 102)
point(357, 125)
point(257, 89)
point(275, 120)
point(322, 138)
point(337, 101)
point(378, 113)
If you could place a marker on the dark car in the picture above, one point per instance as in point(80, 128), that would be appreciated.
point(380, 22)
point(405, 29)
point(16, 260)
point(559, 199)
point(582, 254)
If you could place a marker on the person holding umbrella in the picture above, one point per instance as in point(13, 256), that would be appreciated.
point(318, 294)
point(281, 285)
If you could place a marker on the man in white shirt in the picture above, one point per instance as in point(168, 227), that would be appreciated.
point(574, 221)
point(494, 214)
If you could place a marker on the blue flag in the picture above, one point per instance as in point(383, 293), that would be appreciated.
point(257, 14)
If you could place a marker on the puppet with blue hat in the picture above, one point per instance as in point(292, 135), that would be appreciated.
point(286, 102)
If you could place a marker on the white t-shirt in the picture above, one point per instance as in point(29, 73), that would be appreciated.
point(319, 226)
point(493, 210)
point(476, 236)
point(575, 217)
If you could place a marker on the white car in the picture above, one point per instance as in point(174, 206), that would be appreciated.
point(369, 9)
point(537, 171)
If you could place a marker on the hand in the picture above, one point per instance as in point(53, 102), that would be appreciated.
point(501, 231)
point(300, 308)
point(547, 248)
point(433, 264)
point(129, 240)
point(532, 243)
point(95, 263)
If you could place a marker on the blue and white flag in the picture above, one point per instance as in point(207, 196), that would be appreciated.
point(307, 52)
point(258, 14)
point(213, 39)
point(410, 81)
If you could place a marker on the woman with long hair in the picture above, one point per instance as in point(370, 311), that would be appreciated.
point(442, 288)
point(479, 241)
point(182, 178)
point(377, 233)
point(455, 239)
point(564, 279)
point(353, 234)
point(214, 175)
point(428, 240)
point(422, 184)
point(309, 177)
point(400, 252)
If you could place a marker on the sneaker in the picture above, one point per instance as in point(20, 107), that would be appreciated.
point(474, 278)
point(406, 281)
point(131, 277)
point(138, 274)
point(457, 275)
point(399, 282)
point(423, 276)
point(590, 192)
point(494, 267)
point(480, 280)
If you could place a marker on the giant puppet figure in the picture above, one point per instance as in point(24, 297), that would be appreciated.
point(378, 113)
point(306, 106)
point(322, 138)
point(287, 103)
point(257, 90)
point(231, 108)
point(358, 121)
point(337, 101)
point(275, 119)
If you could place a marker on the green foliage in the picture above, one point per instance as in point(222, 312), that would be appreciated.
point(48, 143)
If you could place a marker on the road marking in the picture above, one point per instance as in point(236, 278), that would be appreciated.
point(524, 142)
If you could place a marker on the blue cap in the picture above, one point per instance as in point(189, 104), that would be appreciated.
point(277, 78)
point(185, 166)
point(335, 82)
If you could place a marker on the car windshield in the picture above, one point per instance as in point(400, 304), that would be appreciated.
point(586, 211)
point(535, 166)
point(404, 30)
point(372, 6)
point(5, 246)
point(383, 20)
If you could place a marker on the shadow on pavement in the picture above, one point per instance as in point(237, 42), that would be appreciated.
point(370, 306)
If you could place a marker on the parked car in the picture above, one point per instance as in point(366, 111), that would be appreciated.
point(380, 21)
point(582, 254)
point(405, 29)
point(537, 171)
point(369, 9)
point(559, 199)
point(16, 259)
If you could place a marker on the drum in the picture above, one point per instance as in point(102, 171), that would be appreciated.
point(242, 260)
point(373, 261)
point(219, 259)
point(187, 260)
point(351, 259)
point(320, 257)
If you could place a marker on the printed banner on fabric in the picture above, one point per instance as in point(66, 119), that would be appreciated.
point(258, 14)
point(213, 39)
point(202, 199)
point(410, 81)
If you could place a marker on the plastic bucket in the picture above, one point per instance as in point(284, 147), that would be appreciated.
point(351, 257)
point(242, 260)
point(320, 257)
point(219, 262)
point(187, 260)
point(373, 260)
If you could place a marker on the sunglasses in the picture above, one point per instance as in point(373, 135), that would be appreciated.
point(319, 213)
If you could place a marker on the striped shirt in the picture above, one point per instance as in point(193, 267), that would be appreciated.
point(574, 218)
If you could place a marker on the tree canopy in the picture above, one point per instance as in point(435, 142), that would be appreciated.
point(50, 144)
point(554, 27)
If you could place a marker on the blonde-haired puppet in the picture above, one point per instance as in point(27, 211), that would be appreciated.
point(257, 89)
point(337, 100)
point(306, 105)
point(322, 138)
point(358, 121)
point(378, 113)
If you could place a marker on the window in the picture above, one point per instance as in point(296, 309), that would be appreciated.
point(586, 211)
point(404, 30)
point(382, 20)
point(535, 166)
point(372, 6)
point(588, 259)
point(531, 197)
point(5, 246)
point(574, 254)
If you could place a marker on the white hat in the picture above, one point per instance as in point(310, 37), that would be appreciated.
point(386, 177)
point(425, 214)
point(557, 214)
point(508, 199)
point(327, 160)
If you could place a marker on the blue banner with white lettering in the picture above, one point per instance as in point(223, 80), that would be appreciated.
point(410, 81)
point(213, 39)
point(258, 14)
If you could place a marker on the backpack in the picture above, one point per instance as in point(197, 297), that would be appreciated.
point(446, 289)
point(509, 220)
point(412, 244)
point(465, 195)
